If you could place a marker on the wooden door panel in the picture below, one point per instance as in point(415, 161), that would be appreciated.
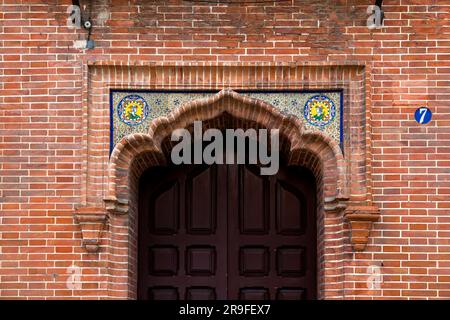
point(200, 293)
point(201, 200)
point(163, 260)
point(290, 210)
point(254, 261)
point(253, 202)
point(291, 294)
point(249, 293)
point(163, 293)
point(166, 202)
point(291, 261)
point(201, 260)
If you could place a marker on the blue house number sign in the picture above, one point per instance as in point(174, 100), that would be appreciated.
point(423, 115)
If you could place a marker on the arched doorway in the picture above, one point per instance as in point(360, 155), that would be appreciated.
point(315, 151)
point(227, 232)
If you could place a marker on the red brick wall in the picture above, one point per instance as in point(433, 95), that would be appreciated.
point(43, 84)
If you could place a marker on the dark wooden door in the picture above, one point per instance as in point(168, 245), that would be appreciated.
point(226, 232)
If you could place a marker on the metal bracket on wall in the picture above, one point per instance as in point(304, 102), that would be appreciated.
point(86, 21)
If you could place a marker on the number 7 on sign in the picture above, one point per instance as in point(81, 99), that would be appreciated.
point(423, 113)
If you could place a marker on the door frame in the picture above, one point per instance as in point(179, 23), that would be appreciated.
point(105, 212)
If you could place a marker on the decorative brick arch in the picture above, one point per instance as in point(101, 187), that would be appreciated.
point(313, 150)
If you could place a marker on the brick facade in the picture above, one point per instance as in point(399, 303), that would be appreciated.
point(64, 202)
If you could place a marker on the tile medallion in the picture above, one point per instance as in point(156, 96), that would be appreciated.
point(132, 111)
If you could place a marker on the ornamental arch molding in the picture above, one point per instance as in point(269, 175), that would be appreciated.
point(314, 150)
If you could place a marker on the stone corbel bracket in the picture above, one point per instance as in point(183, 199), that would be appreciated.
point(361, 219)
point(92, 221)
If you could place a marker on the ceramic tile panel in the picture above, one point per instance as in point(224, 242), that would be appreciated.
point(133, 111)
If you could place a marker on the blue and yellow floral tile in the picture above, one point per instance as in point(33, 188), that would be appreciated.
point(132, 111)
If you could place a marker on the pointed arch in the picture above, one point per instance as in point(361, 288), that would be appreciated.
point(315, 150)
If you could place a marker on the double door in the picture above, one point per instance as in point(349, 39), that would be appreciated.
point(226, 232)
